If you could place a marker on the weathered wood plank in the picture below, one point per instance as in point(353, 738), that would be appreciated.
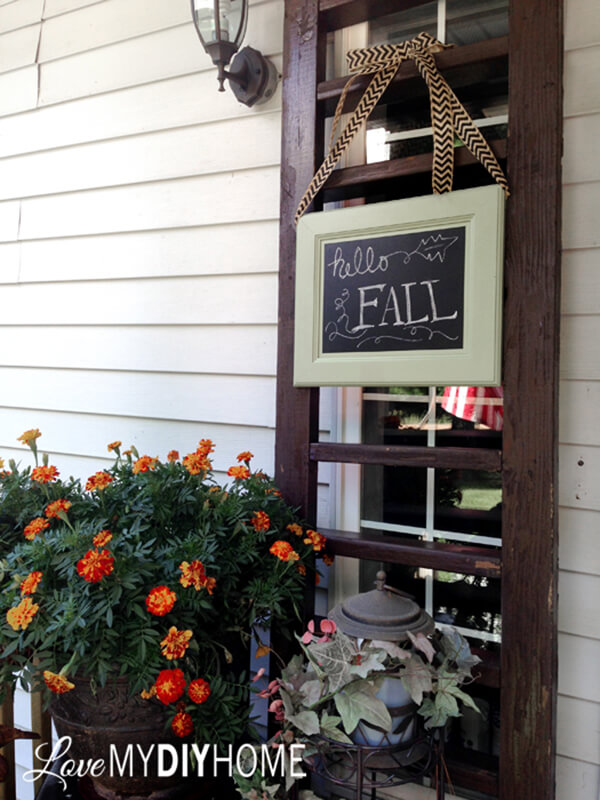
point(355, 181)
point(375, 546)
point(297, 409)
point(484, 59)
point(342, 13)
point(438, 457)
point(531, 339)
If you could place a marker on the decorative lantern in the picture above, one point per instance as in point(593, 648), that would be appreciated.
point(221, 25)
point(384, 614)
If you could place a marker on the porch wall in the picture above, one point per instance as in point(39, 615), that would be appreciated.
point(578, 765)
point(138, 239)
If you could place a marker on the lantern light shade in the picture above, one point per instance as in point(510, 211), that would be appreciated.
point(221, 26)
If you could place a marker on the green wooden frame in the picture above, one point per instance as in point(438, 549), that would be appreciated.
point(477, 362)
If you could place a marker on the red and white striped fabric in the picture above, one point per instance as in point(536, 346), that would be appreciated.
point(475, 403)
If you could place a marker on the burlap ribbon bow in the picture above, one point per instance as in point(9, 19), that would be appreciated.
point(448, 116)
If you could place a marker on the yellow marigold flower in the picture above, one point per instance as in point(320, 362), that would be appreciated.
point(31, 582)
point(95, 565)
point(114, 446)
point(20, 616)
point(238, 472)
point(160, 601)
point(99, 481)
point(205, 446)
point(173, 456)
point(260, 521)
point(102, 538)
point(44, 474)
point(199, 691)
point(246, 455)
point(317, 540)
point(284, 551)
point(35, 527)
point(175, 643)
point(29, 437)
point(295, 529)
point(196, 463)
point(146, 695)
point(57, 683)
point(182, 724)
point(58, 506)
point(144, 464)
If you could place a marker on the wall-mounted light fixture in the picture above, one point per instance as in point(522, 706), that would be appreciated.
point(221, 25)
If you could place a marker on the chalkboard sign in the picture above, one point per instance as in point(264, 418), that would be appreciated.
point(401, 293)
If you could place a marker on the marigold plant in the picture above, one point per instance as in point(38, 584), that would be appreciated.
point(152, 570)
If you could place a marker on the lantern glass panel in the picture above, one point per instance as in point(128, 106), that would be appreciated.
point(232, 20)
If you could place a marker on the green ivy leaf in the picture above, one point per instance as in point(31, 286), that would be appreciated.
point(358, 701)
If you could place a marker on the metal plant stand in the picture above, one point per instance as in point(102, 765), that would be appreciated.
point(365, 768)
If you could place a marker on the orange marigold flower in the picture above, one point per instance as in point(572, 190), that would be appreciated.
point(20, 616)
point(170, 685)
point(196, 463)
point(173, 456)
point(199, 691)
point(295, 529)
point(238, 472)
point(29, 437)
point(301, 569)
point(317, 579)
point(102, 539)
point(57, 683)
point(260, 521)
point(182, 724)
point(144, 464)
point(99, 481)
point(146, 695)
point(160, 601)
point(58, 506)
point(210, 585)
point(194, 575)
point(327, 559)
point(128, 452)
point(246, 455)
point(284, 551)
point(45, 474)
point(175, 643)
point(31, 582)
point(205, 446)
point(95, 565)
point(113, 446)
point(36, 526)
point(316, 539)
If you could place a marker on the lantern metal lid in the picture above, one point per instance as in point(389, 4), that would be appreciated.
point(383, 613)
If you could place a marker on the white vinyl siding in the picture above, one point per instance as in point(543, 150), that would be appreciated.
point(578, 743)
point(138, 239)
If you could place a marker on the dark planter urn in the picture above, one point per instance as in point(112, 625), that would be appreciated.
point(110, 717)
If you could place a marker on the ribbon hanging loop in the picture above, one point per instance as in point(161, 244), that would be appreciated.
point(448, 115)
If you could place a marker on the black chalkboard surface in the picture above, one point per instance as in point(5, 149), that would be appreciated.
point(398, 292)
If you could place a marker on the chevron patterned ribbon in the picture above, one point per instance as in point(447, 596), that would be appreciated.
point(448, 116)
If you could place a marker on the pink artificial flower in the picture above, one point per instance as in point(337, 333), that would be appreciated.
point(258, 675)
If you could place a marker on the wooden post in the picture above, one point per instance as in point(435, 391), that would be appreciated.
point(531, 340)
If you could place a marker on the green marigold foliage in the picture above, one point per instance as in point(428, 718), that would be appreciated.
point(83, 612)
